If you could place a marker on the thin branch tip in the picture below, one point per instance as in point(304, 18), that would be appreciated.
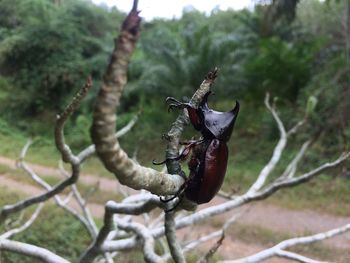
point(212, 75)
point(134, 6)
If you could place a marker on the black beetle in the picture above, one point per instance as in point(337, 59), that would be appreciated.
point(208, 162)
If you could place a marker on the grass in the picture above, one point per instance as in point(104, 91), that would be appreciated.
point(325, 195)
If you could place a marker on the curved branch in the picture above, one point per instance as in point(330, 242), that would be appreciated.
point(66, 154)
point(108, 149)
point(64, 149)
point(31, 250)
point(61, 203)
point(134, 209)
point(230, 205)
point(147, 239)
point(23, 227)
point(9, 209)
point(276, 156)
point(112, 208)
point(278, 250)
point(170, 233)
point(90, 150)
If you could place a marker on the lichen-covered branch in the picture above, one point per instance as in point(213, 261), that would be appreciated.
point(67, 155)
point(174, 167)
point(108, 148)
point(90, 150)
point(173, 136)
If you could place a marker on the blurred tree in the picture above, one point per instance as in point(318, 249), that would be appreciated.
point(48, 50)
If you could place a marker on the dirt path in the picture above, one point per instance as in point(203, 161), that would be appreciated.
point(294, 223)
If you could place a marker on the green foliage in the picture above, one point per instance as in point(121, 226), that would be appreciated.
point(311, 104)
point(49, 51)
point(278, 66)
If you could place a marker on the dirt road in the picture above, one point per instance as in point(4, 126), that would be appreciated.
point(274, 218)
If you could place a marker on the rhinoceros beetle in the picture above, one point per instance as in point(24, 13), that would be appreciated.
point(208, 162)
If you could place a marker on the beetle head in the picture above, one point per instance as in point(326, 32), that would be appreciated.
point(217, 124)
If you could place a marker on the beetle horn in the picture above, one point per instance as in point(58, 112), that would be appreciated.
point(235, 110)
point(230, 119)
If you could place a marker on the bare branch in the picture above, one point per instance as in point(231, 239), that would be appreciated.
point(148, 241)
point(265, 172)
point(173, 136)
point(9, 209)
point(23, 227)
point(213, 250)
point(230, 205)
point(195, 243)
point(64, 149)
point(294, 129)
point(61, 203)
point(66, 153)
point(300, 179)
point(89, 221)
point(170, 233)
point(296, 257)
point(174, 166)
point(95, 248)
point(278, 250)
point(31, 250)
point(112, 208)
point(134, 209)
point(292, 166)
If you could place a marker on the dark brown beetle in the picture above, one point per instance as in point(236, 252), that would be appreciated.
point(208, 162)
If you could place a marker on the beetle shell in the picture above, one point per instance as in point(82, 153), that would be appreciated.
point(207, 171)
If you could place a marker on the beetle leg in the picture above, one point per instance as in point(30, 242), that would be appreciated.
point(178, 193)
point(154, 162)
point(194, 142)
point(174, 207)
point(182, 155)
point(176, 104)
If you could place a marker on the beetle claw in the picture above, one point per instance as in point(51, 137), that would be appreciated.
point(154, 162)
point(172, 106)
point(167, 200)
point(174, 103)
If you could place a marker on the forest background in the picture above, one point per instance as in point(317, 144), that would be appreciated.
point(299, 52)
